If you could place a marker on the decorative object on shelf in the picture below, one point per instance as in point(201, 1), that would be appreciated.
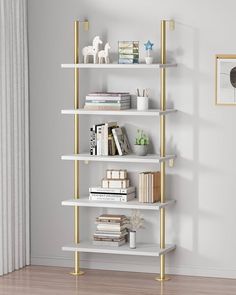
point(128, 52)
point(141, 143)
point(109, 101)
point(115, 183)
point(148, 48)
point(136, 221)
point(103, 55)
point(92, 50)
point(142, 99)
point(113, 188)
point(225, 79)
point(111, 230)
point(116, 174)
point(149, 190)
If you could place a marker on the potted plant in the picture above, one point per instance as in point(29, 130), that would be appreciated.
point(141, 143)
point(135, 222)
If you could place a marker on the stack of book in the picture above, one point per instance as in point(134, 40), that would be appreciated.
point(128, 52)
point(107, 139)
point(115, 187)
point(111, 230)
point(149, 187)
point(110, 101)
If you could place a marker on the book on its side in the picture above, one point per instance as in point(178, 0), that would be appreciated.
point(107, 243)
point(112, 190)
point(107, 107)
point(109, 94)
point(111, 227)
point(111, 198)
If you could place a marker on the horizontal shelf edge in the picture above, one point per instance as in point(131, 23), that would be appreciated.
point(142, 249)
point(119, 66)
point(129, 112)
point(85, 202)
point(127, 158)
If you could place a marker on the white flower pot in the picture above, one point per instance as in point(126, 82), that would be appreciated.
point(149, 60)
point(140, 150)
point(142, 103)
point(132, 239)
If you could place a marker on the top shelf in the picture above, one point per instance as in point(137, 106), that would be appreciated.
point(118, 66)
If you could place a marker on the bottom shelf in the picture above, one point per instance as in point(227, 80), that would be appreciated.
point(143, 249)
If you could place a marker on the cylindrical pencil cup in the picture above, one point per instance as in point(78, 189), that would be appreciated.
point(132, 239)
point(142, 103)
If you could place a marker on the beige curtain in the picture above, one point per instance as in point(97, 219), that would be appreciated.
point(14, 137)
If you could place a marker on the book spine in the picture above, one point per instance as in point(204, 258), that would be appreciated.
point(112, 190)
point(117, 142)
point(117, 198)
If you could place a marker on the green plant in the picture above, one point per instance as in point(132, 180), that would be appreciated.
point(141, 138)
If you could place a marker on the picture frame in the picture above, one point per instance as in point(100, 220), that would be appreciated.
point(225, 79)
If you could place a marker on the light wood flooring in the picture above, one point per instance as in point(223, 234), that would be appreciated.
point(41, 280)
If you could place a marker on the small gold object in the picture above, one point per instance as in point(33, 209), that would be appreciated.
point(171, 25)
point(80, 273)
point(86, 25)
point(171, 163)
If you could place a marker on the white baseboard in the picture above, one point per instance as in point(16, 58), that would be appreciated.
point(135, 267)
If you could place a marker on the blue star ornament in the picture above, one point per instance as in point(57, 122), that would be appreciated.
point(148, 45)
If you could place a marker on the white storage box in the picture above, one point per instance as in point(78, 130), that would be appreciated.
point(116, 174)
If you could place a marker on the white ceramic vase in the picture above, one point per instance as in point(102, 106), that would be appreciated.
point(132, 239)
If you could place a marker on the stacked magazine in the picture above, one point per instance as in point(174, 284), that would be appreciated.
point(111, 230)
point(109, 101)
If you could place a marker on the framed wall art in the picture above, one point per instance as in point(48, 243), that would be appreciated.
point(225, 79)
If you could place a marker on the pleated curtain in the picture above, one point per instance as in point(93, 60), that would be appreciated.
point(14, 137)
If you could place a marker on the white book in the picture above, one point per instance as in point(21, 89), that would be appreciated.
point(107, 243)
point(111, 227)
point(99, 189)
point(112, 235)
point(110, 198)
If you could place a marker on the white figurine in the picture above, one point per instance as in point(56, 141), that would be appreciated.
point(92, 50)
point(104, 54)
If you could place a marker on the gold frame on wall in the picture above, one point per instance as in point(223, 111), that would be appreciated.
point(217, 57)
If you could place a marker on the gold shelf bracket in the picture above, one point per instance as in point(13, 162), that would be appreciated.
point(171, 163)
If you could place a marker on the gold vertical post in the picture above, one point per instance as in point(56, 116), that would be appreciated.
point(76, 146)
point(163, 148)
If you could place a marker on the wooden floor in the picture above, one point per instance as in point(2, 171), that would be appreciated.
point(36, 280)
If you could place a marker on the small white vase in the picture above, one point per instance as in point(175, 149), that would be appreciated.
point(140, 150)
point(142, 103)
point(132, 239)
point(149, 60)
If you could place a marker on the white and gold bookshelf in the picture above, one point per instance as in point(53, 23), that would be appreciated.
point(154, 250)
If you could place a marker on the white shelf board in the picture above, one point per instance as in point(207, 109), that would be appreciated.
point(129, 112)
point(154, 159)
point(143, 249)
point(134, 204)
point(118, 66)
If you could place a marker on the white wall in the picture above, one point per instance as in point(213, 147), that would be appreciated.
point(202, 223)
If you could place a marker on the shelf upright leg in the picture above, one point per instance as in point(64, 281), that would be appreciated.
point(162, 276)
point(77, 270)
